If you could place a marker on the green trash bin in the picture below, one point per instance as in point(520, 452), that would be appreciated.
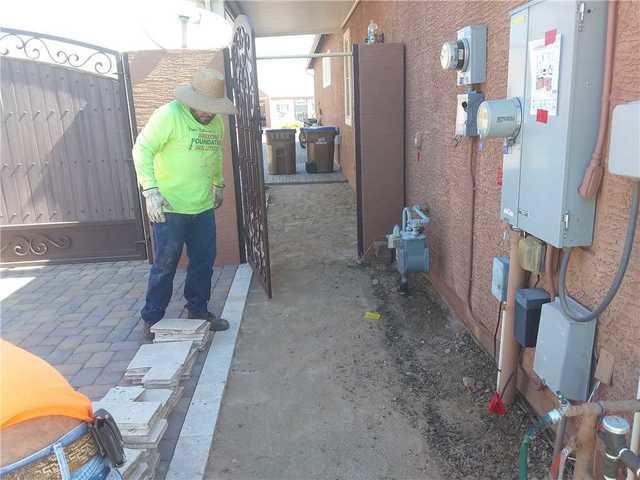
point(281, 151)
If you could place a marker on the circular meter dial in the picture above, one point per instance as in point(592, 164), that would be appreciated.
point(453, 55)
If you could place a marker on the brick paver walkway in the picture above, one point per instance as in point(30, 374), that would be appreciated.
point(84, 318)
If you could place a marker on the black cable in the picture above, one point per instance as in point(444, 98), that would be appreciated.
point(495, 333)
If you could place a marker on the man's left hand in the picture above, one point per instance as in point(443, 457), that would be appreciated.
point(218, 195)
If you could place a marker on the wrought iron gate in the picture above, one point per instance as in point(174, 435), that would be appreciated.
point(69, 192)
point(248, 148)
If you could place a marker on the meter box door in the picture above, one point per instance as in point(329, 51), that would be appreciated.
point(556, 59)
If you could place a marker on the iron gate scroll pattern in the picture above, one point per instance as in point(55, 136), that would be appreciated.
point(68, 188)
point(249, 149)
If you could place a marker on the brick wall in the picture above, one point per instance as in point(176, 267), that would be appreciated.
point(442, 177)
point(155, 76)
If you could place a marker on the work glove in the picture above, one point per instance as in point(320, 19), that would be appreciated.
point(156, 204)
point(218, 195)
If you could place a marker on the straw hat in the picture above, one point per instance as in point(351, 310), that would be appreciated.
point(206, 93)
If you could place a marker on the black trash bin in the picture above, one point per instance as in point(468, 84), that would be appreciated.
point(320, 146)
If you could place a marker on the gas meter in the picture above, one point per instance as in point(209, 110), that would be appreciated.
point(410, 244)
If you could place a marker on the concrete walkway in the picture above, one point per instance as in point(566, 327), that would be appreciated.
point(297, 403)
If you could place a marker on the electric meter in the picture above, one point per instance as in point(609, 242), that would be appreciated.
point(467, 55)
point(499, 118)
point(454, 55)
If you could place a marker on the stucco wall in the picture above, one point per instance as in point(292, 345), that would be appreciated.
point(330, 103)
point(442, 178)
point(155, 75)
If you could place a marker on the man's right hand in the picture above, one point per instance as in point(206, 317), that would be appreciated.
point(156, 204)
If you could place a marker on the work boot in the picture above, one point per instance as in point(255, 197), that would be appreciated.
point(215, 324)
point(148, 334)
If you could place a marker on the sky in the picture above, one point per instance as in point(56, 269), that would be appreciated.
point(126, 25)
point(285, 78)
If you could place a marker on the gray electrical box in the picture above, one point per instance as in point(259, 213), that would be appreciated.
point(500, 278)
point(475, 71)
point(556, 60)
point(624, 146)
point(564, 350)
point(466, 113)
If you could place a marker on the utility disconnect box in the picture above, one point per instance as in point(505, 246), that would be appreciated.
point(564, 350)
point(466, 113)
point(556, 60)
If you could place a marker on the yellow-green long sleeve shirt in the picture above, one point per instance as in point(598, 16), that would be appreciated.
point(181, 157)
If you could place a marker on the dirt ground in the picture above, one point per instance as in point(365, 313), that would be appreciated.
point(317, 391)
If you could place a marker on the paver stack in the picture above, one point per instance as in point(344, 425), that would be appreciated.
point(152, 390)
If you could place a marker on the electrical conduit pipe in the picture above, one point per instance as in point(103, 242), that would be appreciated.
point(634, 444)
point(619, 276)
point(509, 348)
point(593, 175)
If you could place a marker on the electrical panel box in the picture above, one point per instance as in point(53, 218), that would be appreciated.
point(529, 303)
point(564, 350)
point(500, 277)
point(624, 146)
point(466, 113)
point(556, 62)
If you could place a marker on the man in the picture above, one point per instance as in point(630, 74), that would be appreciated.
point(178, 160)
point(47, 429)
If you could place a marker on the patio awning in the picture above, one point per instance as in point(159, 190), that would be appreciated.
point(293, 17)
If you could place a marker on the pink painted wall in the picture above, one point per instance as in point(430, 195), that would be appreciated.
point(442, 178)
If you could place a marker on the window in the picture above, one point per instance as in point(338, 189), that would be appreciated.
point(348, 79)
point(300, 109)
point(326, 71)
point(282, 109)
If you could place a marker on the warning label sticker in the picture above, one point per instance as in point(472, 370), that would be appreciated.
point(544, 55)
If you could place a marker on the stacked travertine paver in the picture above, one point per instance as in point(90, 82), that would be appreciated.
point(180, 329)
point(154, 373)
point(161, 365)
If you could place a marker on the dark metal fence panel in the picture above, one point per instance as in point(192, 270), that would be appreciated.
point(248, 152)
point(66, 154)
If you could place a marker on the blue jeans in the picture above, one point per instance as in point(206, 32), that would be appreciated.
point(97, 468)
point(198, 233)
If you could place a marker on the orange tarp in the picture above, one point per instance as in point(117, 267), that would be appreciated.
point(30, 388)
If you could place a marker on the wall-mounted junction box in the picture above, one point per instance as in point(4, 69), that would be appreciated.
point(624, 146)
point(531, 254)
point(556, 60)
point(466, 113)
point(564, 350)
point(467, 55)
point(529, 303)
point(500, 277)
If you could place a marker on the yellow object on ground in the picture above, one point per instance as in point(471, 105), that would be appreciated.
point(372, 315)
point(31, 388)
